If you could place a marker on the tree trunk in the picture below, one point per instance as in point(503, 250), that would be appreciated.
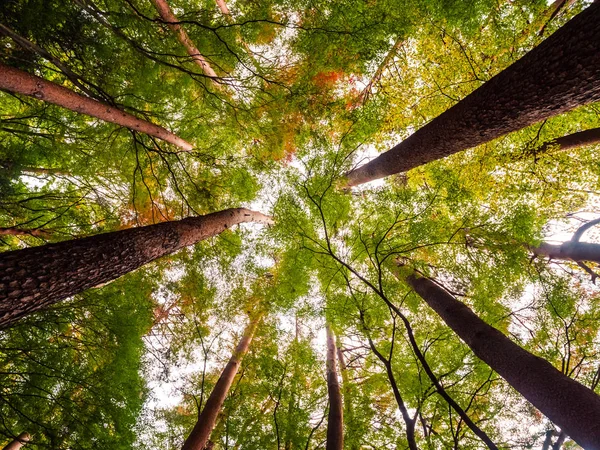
point(19, 442)
point(11, 231)
point(574, 251)
point(563, 72)
point(34, 278)
point(15, 80)
point(171, 20)
point(198, 438)
point(575, 140)
point(567, 403)
point(335, 419)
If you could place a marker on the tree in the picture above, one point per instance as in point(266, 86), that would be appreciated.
point(198, 438)
point(574, 407)
point(335, 418)
point(37, 277)
point(515, 98)
point(15, 80)
point(19, 442)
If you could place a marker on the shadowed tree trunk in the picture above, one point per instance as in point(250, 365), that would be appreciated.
point(335, 419)
point(34, 278)
point(563, 72)
point(19, 442)
point(199, 437)
point(575, 140)
point(567, 403)
point(15, 80)
point(171, 20)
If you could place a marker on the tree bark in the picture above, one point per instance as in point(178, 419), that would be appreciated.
point(19, 442)
point(563, 72)
point(575, 140)
point(33, 278)
point(15, 80)
point(198, 438)
point(171, 20)
point(574, 251)
point(11, 231)
point(567, 403)
point(335, 419)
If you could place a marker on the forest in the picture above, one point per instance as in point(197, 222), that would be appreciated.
point(299, 225)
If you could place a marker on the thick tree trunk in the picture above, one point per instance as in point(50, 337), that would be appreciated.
point(335, 419)
point(19, 442)
point(171, 20)
point(15, 80)
point(567, 403)
point(563, 72)
point(574, 251)
point(33, 278)
point(198, 438)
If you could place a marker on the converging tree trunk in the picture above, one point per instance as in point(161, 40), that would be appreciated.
point(15, 80)
point(574, 251)
point(34, 278)
point(19, 442)
point(570, 141)
point(563, 72)
point(567, 403)
point(171, 20)
point(335, 419)
point(198, 438)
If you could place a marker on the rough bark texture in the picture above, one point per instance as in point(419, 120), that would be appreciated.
point(335, 419)
point(15, 80)
point(198, 438)
point(567, 403)
point(574, 251)
point(19, 442)
point(33, 278)
point(171, 20)
point(575, 140)
point(563, 72)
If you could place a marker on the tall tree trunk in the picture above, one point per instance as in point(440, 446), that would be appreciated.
point(567, 403)
point(563, 72)
point(348, 411)
point(171, 20)
point(15, 80)
point(575, 140)
point(574, 251)
point(198, 438)
point(19, 442)
point(34, 278)
point(335, 419)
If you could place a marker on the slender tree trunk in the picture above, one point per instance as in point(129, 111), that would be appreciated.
point(19, 442)
point(198, 438)
point(574, 251)
point(560, 441)
point(335, 419)
point(171, 20)
point(10, 231)
point(567, 403)
point(364, 95)
point(223, 7)
point(348, 411)
point(15, 80)
point(563, 72)
point(575, 140)
point(33, 278)
point(548, 439)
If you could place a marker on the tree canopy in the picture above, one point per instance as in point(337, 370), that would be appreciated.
point(279, 101)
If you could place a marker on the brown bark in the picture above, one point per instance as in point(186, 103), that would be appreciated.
point(563, 72)
point(33, 278)
point(10, 231)
point(15, 80)
point(335, 419)
point(570, 141)
point(570, 250)
point(567, 403)
point(223, 7)
point(198, 438)
point(19, 442)
point(171, 20)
